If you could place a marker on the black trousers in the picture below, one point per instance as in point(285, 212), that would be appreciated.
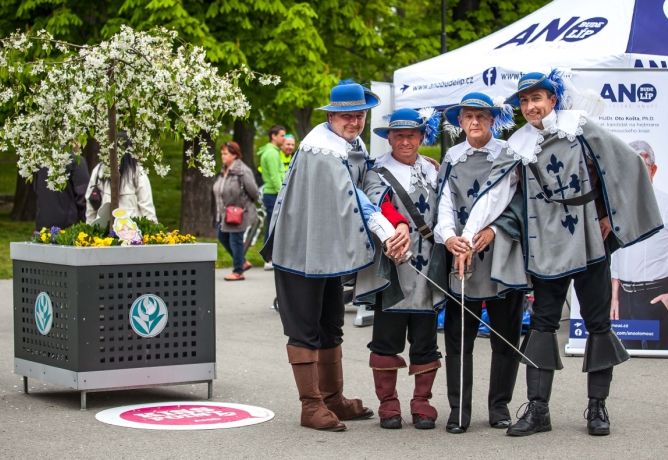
point(593, 288)
point(640, 308)
point(311, 309)
point(505, 316)
point(390, 329)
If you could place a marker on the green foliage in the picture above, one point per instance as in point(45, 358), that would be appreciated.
point(148, 227)
point(69, 237)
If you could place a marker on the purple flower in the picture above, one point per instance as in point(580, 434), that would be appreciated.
point(54, 231)
point(112, 234)
point(136, 242)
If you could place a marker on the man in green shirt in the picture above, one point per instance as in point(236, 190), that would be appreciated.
point(273, 173)
point(287, 150)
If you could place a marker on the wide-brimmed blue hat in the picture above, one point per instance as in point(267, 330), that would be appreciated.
point(503, 115)
point(349, 96)
point(424, 120)
point(473, 100)
point(553, 82)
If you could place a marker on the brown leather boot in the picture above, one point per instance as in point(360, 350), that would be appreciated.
point(330, 373)
point(385, 379)
point(424, 414)
point(314, 412)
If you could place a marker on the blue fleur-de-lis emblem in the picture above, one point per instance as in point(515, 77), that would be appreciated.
point(462, 215)
point(422, 204)
point(473, 191)
point(148, 315)
point(570, 223)
point(575, 183)
point(419, 262)
point(43, 313)
point(481, 254)
point(554, 165)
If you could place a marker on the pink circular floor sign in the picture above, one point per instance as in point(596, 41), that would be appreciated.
point(185, 415)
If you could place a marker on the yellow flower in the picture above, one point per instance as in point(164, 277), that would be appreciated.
point(62, 232)
point(44, 237)
point(82, 236)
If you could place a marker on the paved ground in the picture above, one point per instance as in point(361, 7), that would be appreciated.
point(253, 369)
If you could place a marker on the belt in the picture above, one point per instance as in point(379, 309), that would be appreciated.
point(629, 286)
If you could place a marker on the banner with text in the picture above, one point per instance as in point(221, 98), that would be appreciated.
point(635, 110)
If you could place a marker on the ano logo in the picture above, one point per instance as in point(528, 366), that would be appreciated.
point(645, 93)
point(148, 315)
point(571, 30)
point(43, 313)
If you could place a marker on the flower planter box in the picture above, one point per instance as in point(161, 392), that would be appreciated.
point(82, 317)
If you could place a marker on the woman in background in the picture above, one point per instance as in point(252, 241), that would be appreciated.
point(234, 187)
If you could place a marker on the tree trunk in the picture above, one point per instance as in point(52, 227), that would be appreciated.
point(196, 194)
point(244, 135)
point(114, 173)
point(302, 121)
point(90, 153)
point(25, 201)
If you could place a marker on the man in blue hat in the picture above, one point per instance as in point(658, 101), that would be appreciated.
point(320, 232)
point(586, 193)
point(465, 169)
point(401, 298)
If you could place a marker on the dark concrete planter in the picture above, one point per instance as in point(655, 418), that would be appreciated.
point(90, 343)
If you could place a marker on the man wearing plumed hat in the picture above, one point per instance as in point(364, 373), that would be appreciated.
point(320, 232)
point(586, 193)
point(404, 181)
point(499, 268)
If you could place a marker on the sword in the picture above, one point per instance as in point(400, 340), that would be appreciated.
point(470, 312)
point(461, 360)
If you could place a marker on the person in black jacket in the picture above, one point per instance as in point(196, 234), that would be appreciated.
point(66, 208)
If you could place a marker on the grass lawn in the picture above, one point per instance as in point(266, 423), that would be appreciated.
point(166, 197)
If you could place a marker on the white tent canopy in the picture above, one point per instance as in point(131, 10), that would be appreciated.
point(565, 34)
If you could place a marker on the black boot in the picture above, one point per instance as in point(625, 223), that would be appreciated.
point(502, 379)
point(598, 387)
point(452, 370)
point(536, 417)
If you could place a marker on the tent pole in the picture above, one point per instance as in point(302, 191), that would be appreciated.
point(444, 49)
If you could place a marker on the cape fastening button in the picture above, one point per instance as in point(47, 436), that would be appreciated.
point(368, 245)
point(475, 195)
point(489, 182)
point(603, 172)
point(343, 161)
point(440, 180)
point(503, 170)
point(614, 212)
point(361, 229)
point(616, 229)
point(598, 156)
point(350, 192)
point(355, 210)
point(382, 183)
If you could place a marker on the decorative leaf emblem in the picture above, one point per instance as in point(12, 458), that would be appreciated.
point(147, 315)
point(462, 215)
point(473, 191)
point(43, 313)
point(422, 204)
point(570, 223)
point(554, 165)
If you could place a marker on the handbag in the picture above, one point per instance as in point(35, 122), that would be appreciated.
point(95, 198)
point(234, 215)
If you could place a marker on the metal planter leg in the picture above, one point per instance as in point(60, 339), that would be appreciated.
point(83, 400)
point(25, 384)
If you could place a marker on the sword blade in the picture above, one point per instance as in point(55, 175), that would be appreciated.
point(461, 361)
point(474, 315)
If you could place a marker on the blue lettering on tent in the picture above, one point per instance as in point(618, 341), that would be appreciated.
point(553, 30)
point(520, 38)
point(585, 29)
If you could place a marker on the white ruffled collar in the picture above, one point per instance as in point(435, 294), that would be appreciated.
point(460, 152)
point(422, 173)
point(524, 145)
point(323, 140)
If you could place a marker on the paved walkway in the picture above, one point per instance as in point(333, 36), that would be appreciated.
point(253, 369)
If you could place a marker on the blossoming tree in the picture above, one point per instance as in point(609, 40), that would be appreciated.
point(150, 84)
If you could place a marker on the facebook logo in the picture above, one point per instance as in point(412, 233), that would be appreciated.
point(489, 76)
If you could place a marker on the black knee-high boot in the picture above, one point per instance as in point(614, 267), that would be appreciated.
point(502, 377)
point(452, 371)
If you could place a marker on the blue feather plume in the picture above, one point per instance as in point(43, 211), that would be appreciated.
point(349, 81)
point(504, 120)
point(432, 118)
point(556, 79)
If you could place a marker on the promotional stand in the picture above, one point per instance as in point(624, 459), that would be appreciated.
point(100, 319)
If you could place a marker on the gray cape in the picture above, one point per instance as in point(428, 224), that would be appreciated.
point(404, 290)
point(500, 267)
point(561, 240)
point(317, 228)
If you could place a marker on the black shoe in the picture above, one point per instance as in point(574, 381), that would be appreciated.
point(598, 422)
point(502, 424)
point(454, 428)
point(391, 423)
point(422, 422)
point(536, 419)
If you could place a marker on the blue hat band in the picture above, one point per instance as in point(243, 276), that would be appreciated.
point(346, 103)
point(475, 101)
point(528, 83)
